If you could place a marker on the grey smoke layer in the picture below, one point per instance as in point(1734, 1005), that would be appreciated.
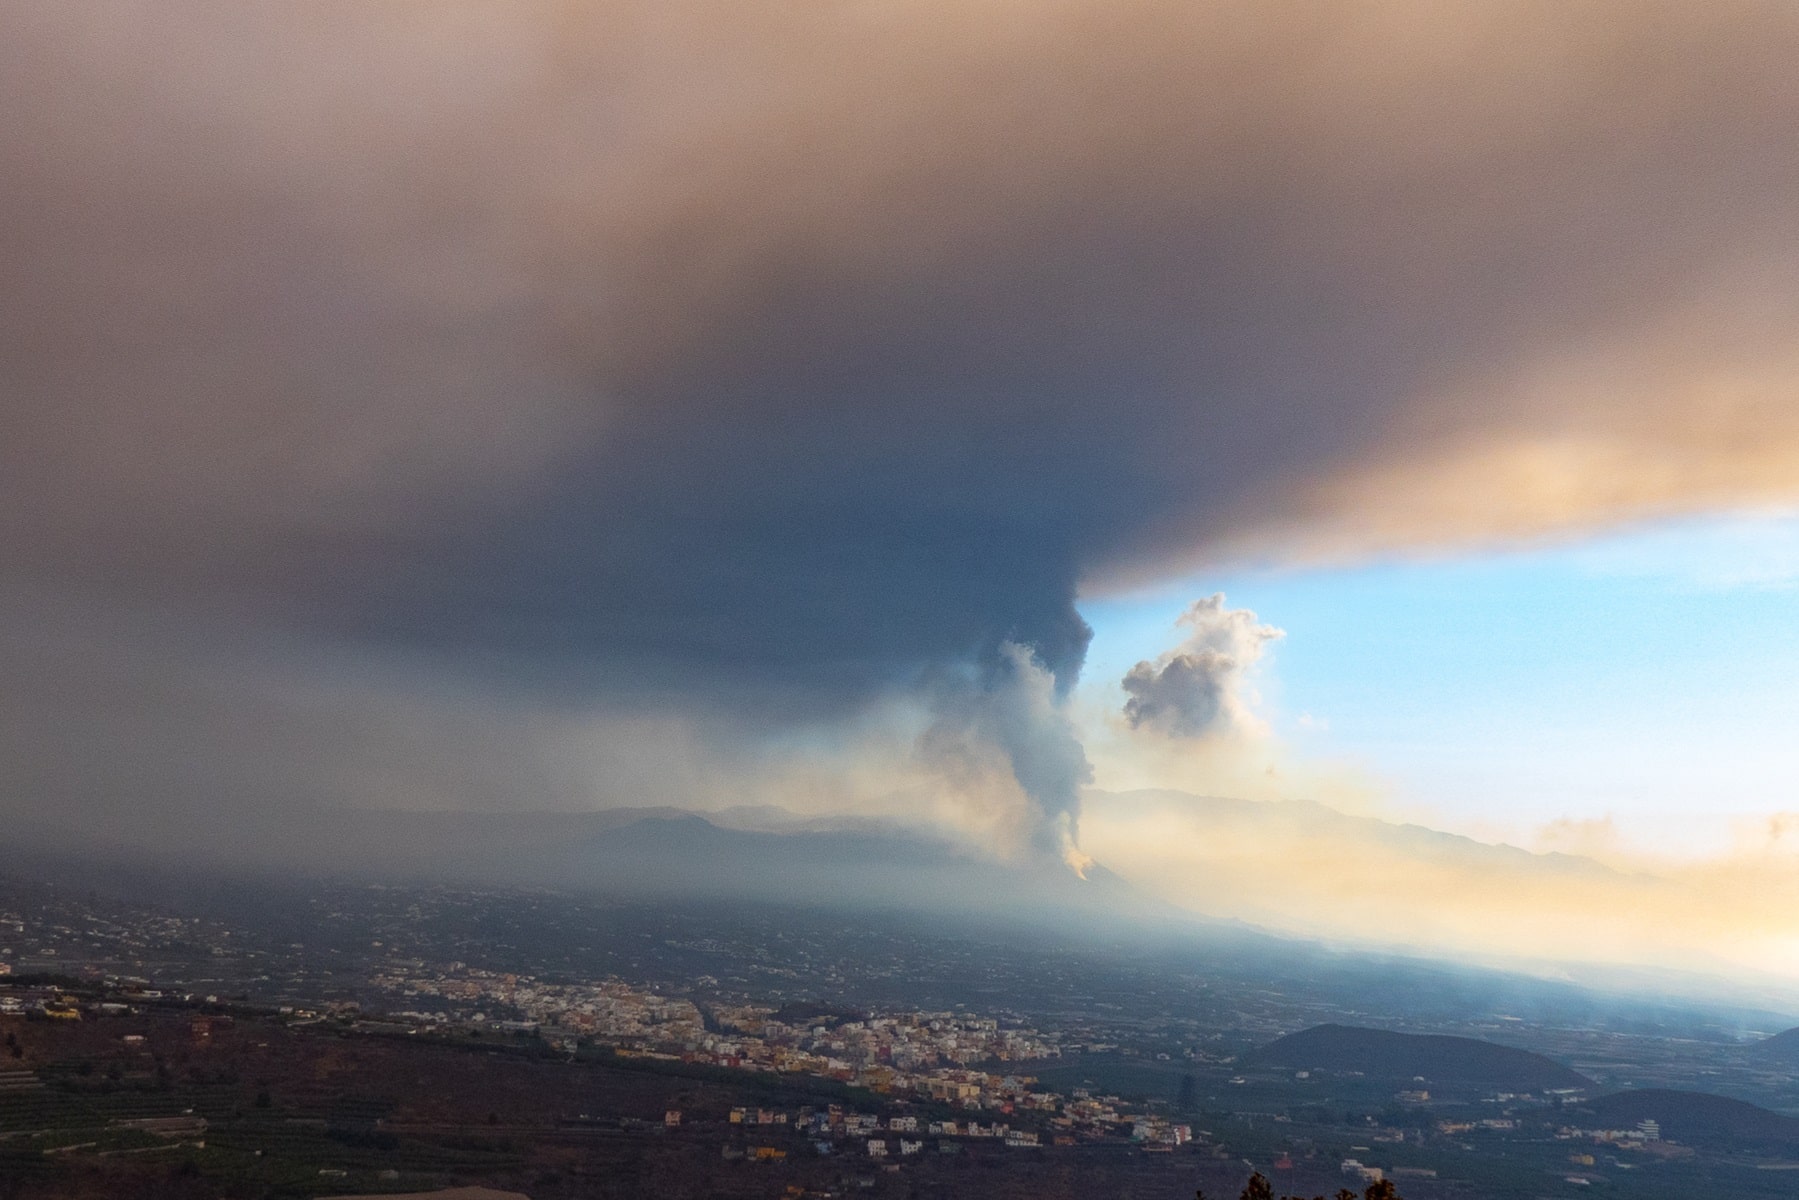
point(772, 360)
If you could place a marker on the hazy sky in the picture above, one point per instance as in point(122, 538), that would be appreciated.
point(560, 405)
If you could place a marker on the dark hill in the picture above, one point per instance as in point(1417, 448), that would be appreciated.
point(1780, 1050)
point(1451, 1063)
point(1692, 1118)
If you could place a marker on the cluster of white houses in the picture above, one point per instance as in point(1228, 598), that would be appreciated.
point(929, 1056)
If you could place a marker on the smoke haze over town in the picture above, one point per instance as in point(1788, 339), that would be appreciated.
point(1326, 470)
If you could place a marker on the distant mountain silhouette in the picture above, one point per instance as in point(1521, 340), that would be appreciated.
point(1692, 1118)
point(675, 853)
point(1237, 820)
point(1446, 1063)
point(758, 854)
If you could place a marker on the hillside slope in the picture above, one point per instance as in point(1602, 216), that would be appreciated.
point(1781, 1050)
point(1694, 1119)
point(1444, 1062)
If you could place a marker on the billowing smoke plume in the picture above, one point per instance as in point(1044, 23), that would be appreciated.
point(1197, 688)
point(1016, 710)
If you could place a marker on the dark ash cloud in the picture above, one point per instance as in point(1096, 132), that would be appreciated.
point(775, 359)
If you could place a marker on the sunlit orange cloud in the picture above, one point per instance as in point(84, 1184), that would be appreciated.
point(1684, 406)
point(1304, 868)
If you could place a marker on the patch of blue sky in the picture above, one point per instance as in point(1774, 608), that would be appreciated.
point(1651, 673)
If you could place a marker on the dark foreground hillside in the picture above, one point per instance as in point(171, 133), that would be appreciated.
point(185, 1103)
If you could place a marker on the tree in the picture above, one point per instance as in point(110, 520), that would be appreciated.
point(1258, 1188)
